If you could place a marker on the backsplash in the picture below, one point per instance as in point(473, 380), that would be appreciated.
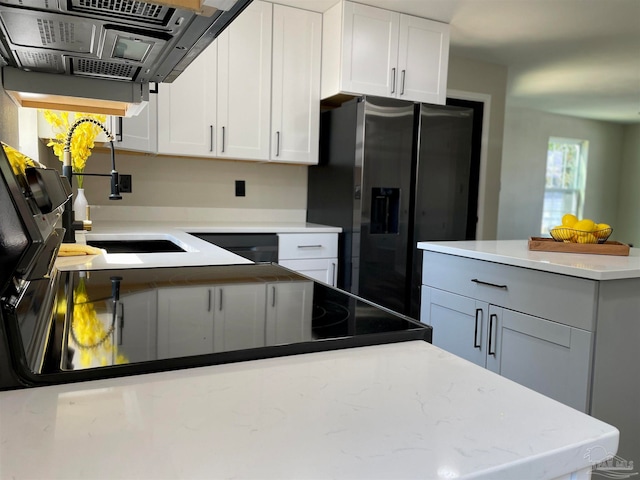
point(192, 188)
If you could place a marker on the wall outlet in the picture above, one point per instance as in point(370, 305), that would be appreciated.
point(240, 188)
point(125, 183)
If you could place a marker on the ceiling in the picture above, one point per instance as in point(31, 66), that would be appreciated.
point(571, 57)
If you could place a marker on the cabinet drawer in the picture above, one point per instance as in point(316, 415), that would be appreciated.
point(323, 269)
point(293, 246)
point(561, 298)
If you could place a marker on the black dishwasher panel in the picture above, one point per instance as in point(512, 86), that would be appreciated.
point(257, 247)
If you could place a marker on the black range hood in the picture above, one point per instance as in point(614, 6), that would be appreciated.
point(103, 48)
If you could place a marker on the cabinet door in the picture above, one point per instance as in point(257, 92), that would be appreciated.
point(289, 310)
point(187, 109)
point(460, 324)
point(548, 357)
point(423, 59)
point(321, 269)
point(136, 329)
point(139, 133)
point(239, 317)
point(295, 92)
point(244, 85)
point(185, 321)
point(369, 50)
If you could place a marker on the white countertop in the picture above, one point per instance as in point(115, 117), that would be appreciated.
point(198, 252)
point(405, 410)
point(517, 253)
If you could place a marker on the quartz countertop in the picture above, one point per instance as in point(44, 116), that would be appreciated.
point(517, 253)
point(198, 252)
point(404, 410)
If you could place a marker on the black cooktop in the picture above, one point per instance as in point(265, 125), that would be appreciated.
point(94, 324)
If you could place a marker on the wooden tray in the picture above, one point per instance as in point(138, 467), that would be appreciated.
point(606, 248)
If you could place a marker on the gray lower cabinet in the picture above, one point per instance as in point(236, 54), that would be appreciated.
point(546, 356)
point(490, 315)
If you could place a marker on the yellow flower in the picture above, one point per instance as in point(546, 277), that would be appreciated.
point(19, 161)
point(88, 331)
point(82, 141)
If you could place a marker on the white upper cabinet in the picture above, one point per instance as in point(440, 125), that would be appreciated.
point(138, 133)
point(360, 50)
point(244, 85)
point(187, 109)
point(423, 60)
point(295, 96)
point(254, 94)
point(372, 51)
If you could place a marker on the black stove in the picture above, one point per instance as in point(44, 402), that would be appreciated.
point(63, 326)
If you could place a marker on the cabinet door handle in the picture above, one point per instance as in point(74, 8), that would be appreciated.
point(209, 302)
point(476, 342)
point(333, 274)
point(491, 317)
point(119, 130)
point(403, 73)
point(273, 296)
point(222, 139)
point(211, 138)
point(480, 282)
point(277, 144)
point(393, 80)
point(220, 300)
point(309, 246)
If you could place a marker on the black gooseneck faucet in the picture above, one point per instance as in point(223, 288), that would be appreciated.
point(68, 219)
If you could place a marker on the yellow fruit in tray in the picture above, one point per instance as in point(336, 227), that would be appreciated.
point(602, 230)
point(569, 220)
point(585, 225)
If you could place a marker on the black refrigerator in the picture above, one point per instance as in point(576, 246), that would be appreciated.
point(392, 173)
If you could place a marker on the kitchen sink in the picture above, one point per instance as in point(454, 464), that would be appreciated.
point(136, 246)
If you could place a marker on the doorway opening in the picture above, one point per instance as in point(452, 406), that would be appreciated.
point(476, 155)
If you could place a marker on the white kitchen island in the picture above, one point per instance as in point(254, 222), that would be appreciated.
point(399, 411)
point(566, 325)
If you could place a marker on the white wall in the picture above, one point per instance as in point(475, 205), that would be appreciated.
point(524, 157)
point(627, 226)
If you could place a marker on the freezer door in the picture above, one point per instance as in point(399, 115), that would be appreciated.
point(386, 198)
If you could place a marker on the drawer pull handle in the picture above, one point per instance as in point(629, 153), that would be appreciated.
point(309, 246)
point(476, 342)
point(491, 317)
point(480, 282)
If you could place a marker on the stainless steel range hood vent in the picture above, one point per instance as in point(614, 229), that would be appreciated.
point(123, 41)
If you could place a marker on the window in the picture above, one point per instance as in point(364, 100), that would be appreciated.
point(566, 177)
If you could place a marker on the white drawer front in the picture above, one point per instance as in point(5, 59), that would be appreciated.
point(323, 269)
point(293, 246)
point(561, 298)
